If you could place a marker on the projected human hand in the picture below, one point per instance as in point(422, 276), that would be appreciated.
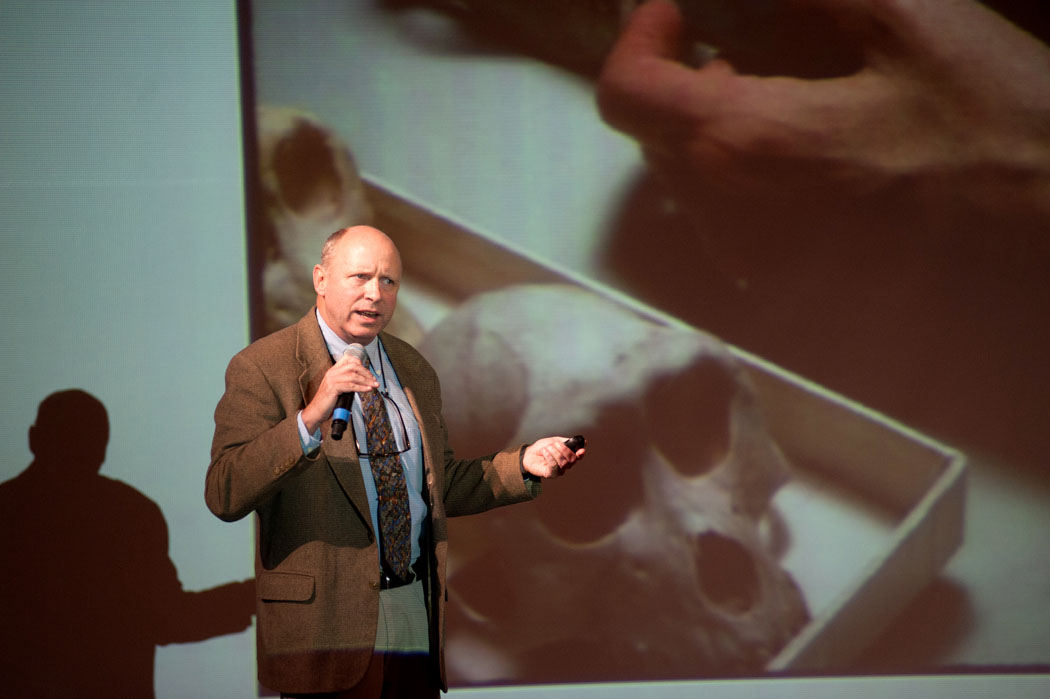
point(949, 98)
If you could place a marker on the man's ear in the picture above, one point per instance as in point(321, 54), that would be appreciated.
point(320, 279)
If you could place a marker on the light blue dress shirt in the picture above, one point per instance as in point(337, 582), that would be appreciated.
point(411, 460)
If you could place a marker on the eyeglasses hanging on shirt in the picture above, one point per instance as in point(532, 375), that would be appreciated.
point(387, 401)
point(404, 444)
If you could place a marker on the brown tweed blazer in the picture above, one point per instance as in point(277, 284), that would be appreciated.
point(316, 567)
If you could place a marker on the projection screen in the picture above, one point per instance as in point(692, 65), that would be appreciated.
point(807, 374)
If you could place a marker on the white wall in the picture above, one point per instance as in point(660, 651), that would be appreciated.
point(122, 266)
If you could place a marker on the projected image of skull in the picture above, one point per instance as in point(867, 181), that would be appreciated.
point(654, 557)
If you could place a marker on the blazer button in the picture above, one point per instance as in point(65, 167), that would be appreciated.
point(375, 584)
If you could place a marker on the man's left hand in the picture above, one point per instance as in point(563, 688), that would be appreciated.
point(550, 458)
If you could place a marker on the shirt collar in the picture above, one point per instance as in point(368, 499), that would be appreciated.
point(336, 345)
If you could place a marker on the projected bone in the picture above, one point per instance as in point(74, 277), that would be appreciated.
point(310, 187)
point(652, 559)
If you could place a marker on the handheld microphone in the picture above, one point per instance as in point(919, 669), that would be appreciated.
point(341, 413)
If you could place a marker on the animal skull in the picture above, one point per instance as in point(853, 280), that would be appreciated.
point(653, 558)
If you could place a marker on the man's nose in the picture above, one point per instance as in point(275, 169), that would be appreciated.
point(372, 288)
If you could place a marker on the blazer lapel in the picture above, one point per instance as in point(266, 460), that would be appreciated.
point(340, 455)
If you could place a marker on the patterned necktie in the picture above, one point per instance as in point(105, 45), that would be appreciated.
point(395, 523)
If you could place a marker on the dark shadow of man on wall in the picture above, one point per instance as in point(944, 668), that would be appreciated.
point(88, 590)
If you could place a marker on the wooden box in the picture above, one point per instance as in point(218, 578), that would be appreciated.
point(875, 509)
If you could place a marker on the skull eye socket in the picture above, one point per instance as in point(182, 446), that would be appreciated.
point(592, 501)
point(727, 573)
point(687, 415)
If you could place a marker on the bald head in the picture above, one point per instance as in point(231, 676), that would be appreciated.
point(355, 234)
point(357, 282)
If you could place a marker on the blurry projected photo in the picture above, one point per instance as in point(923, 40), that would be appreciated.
point(564, 274)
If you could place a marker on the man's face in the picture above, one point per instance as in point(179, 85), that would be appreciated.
point(357, 287)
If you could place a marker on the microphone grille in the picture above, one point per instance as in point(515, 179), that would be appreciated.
point(357, 350)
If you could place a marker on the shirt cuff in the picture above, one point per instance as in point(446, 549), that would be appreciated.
point(309, 442)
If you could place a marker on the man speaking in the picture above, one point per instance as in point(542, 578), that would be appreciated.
point(352, 535)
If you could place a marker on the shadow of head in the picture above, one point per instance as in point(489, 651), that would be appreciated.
point(71, 430)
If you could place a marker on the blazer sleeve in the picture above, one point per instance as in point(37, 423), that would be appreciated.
point(476, 485)
point(256, 444)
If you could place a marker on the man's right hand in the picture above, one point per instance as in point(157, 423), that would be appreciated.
point(347, 375)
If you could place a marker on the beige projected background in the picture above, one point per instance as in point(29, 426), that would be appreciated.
point(732, 518)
